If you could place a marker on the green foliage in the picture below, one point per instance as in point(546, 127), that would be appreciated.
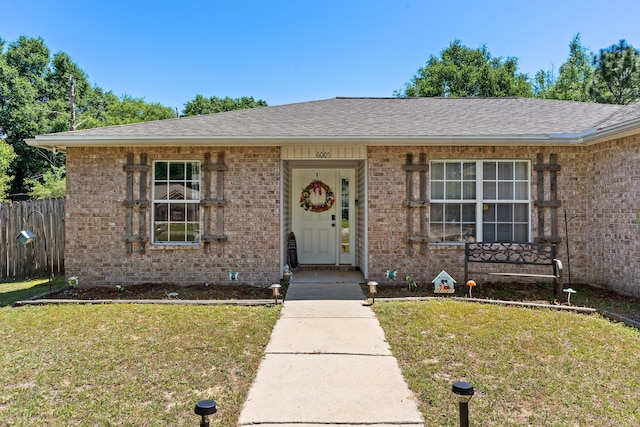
point(35, 99)
point(32, 102)
point(110, 110)
point(6, 157)
point(573, 79)
point(461, 71)
point(53, 184)
point(617, 75)
point(201, 105)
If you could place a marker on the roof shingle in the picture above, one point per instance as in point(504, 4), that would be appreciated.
point(381, 117)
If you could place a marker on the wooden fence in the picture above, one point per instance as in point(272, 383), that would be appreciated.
point(45, 219)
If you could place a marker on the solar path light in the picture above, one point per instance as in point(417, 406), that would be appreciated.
point(464, 393)
point(373, 290)
point(276, 291)
point(204, 408)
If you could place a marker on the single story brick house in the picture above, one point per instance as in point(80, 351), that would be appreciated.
point(364, 183)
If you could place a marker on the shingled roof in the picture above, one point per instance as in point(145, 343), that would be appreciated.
point(373, 119)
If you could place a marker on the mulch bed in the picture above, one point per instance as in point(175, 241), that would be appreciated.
point(586, 296)
point(155, 291)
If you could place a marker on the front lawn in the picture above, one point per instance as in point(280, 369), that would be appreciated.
point(13, 290)
point(138, 365)
point(529, 367)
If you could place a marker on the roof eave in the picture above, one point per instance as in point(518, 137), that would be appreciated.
point(52, 142)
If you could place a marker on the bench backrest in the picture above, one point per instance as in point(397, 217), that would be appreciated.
point(510, 253)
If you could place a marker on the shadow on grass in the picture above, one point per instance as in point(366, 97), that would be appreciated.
point(10, 292)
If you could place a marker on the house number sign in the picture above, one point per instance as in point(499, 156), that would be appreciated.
point(323, 154)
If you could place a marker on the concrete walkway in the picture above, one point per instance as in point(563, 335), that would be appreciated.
point(328, 363)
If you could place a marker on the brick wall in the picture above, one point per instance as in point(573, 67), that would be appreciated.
point(599, 187)
point(613, 209)
point(95, 220)
point(388, 217)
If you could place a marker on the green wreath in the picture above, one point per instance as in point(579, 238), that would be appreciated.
point(317, 187)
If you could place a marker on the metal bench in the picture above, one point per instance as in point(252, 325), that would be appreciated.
point(524, 254)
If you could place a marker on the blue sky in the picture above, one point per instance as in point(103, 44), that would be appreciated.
point(293, 51)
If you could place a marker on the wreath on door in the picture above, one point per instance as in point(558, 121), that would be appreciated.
point(317, 187)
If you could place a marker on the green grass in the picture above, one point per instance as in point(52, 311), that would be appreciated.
point(12, 291)
point(137, 365)
point(529, 367)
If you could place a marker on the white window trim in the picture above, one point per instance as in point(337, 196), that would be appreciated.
point(479, 200)
point(155, 201)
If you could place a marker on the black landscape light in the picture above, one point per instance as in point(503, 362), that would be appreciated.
point(204, 408)
point(464, 393)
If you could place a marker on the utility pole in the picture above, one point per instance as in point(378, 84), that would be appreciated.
point(72, 99)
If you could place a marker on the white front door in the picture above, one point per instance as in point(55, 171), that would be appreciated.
point(316, 215)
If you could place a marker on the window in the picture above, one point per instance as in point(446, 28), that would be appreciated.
point(484, 200)
point(176, 202)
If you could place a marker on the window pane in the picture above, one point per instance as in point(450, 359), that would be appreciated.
point(160, 191)
point(489, 170)
point(161, 232)
point(522, 171)
point(520, 233)
point(489, 189)
point(437, 212)
point(521, 212)
point(468, 212)
point(504, 213)
point(454, 191)
point(469, 232)
point(161, 212)
point(176, 190)
point(437, 231)
point(437, 190)
point(451, 232)
point(193, 212)
point(453, 171)
point(192, 191)
point(176, 171)
point(469, 172)
point(193, 171)
point(505, 170)
point(469, 190)
point(505, 191)
point(160, 171)
point(489, 214)
point(177, 212)
point(488, 232)
point(503, 233)
point(437, 170)
point(521, 191)
point(452, 213)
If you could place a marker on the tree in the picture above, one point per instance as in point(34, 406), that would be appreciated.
point(34, 99)
point(617, 75)
point(6, 157)
point(54, 184)
point(106, 109)
point(201, 105)
point(29, 106)
point(462, 71)
point(573, 79)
